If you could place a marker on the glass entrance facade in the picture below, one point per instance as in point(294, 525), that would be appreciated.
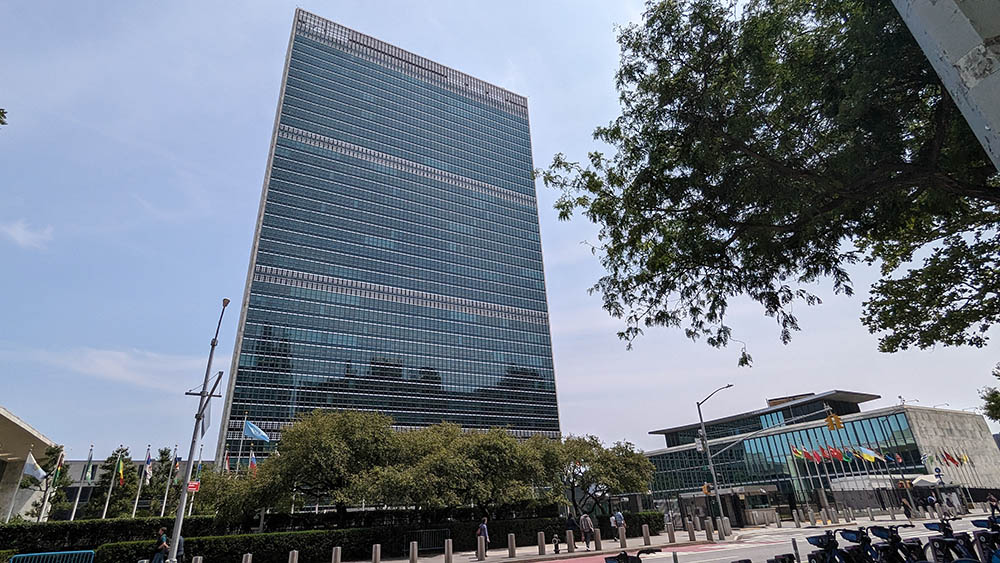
point(396, 265)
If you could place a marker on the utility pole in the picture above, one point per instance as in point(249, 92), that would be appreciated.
point(203, 398)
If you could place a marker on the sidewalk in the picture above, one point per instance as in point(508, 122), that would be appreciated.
point(788, 526)
point(529, 553)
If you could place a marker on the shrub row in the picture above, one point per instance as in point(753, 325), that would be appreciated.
point(356, 543)
point(6, 554)
point(28, 537)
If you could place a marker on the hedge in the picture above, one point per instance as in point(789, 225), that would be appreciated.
point(356, 543)
point(6, 554)
point(29, 537)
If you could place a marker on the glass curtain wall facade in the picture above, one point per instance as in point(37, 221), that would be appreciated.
point(768, 459)
point(396, 265)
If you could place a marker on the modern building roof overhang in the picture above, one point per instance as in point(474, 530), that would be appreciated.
point(17, 437)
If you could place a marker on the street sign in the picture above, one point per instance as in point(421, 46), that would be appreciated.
point(194, 486)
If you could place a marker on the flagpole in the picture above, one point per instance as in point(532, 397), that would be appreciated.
point(79, 489)
point(17, 486)
point(49, 485)
point(166, 486)
point(142, 477)
point(196, 478)
point(111, 485)
point(239, 456)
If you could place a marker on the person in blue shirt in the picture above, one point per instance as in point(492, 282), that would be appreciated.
point(484, 532)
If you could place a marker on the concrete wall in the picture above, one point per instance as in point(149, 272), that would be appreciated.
point(957, 432)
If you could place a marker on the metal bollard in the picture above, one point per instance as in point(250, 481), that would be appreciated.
point(414, 550)
point(777, 518)
point(708, 530)
point(671, 535)
point(729, 526)
point(795, 549)
point(293, 556)
point(448, 552)
point(795, 516)
point(597, 539)
point(337, 552)
point(870, 515)
point(511, 545)
point(621, 537)
point(247, 558)
point(645, 534)
point(690, 529)
point(376, 553)
point(720, 529)
point(570, 541)
point(480, 548)
point(541, 543)
point(675, 557)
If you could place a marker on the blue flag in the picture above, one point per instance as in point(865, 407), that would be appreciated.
point(251, 430)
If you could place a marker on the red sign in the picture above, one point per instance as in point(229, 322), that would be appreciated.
point(194, 486)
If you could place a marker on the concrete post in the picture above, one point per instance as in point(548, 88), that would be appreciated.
point(293, 556)
point(511, 545)
point(795, 516)
point(621, 537)
point(247, 558)
point(376, 553)
point(834, 515)
point(570, 541)
point(720, 528)
point(697, 524)
point(645, 534)
point(708, 530)
point(597, 539)
point(414, 550)
point(671, 535)
point(448, 552)
point(690, 529)
point(822, 516)
point(337, 552)
point(795, 550)
point(480, 548)
point(812, 517)
point(870, 515)
point(197, 559)
point(729, 527)
point(541, 543)
point(892, 513)
point(777, 518)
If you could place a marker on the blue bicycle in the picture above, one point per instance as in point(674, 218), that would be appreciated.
point(949, 547)
point(895, 549)
point(987, 540)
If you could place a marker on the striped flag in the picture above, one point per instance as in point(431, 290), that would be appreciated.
point(147, 469)
point(86, 475)
point(120, 469)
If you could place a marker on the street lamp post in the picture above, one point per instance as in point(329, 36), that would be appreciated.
point(708, 453)
point(203, 399)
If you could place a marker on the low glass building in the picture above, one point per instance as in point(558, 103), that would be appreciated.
point(786, 456)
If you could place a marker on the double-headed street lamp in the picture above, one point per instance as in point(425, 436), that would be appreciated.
point(708, 453)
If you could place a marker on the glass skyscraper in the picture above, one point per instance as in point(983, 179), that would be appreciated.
point(396, 264)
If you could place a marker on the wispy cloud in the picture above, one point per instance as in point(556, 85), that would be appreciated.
point(24, 235)
point(138, 368)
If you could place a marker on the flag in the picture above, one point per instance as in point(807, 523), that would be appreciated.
point(826, 454)
point(120, 469)
point(899, 458)
point(867, 454)
point(147, 469)
point(797, 453)
point(32, 468)
point(949, 457)
point(965, 459)
point(177, 470)
point(253, 463)
point(837, 454)
point(226, 466)
point(59, 469)
point(84, 475)
point(848, 456)
point(206, 420)
point(251, 430)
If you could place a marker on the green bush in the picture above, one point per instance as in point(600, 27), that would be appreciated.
point(6, 554)
point(31, 537)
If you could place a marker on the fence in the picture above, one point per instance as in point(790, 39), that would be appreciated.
point(427, 540)
point(55, 557)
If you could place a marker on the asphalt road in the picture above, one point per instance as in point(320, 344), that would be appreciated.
point(761, 545)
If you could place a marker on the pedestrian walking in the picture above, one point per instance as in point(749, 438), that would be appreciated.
point(949, 506)
point(572, 526)
point(483, 531)
point(614, 526)
point(993, 504)
point(587, 527)
point(162, 546)
point(620, 519)
point(907, 511)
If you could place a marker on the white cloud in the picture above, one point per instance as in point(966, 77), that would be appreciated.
point(138, 368)
point(25, 236)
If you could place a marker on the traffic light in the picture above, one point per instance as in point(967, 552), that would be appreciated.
point(833, 422)
point(704, 488)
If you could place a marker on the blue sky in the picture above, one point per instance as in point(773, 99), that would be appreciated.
point(130, 175)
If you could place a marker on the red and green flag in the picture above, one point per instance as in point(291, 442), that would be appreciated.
point(120, 469)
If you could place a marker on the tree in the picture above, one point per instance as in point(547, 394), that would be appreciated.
point(3, 116)
point(766, 145)
point(123, 494)
point(162, 481)
point(991, 398)
point(591, 473)
point(55, 482)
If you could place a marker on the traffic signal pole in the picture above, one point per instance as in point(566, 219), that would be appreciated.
point(711, 464)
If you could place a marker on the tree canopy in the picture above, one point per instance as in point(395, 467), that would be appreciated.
point(765, 146)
